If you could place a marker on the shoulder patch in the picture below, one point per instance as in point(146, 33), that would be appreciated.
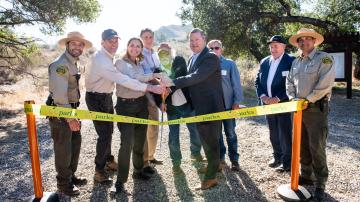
point(61, 70)
point(326, 60)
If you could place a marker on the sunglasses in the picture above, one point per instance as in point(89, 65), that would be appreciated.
point(215, 48)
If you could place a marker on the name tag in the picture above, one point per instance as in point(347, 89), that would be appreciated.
point(223, 72)
point(285, 73)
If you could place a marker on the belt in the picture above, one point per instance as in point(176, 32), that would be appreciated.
point(131, 99)
point(99, 94)
point(74, 105)
point(319, 103)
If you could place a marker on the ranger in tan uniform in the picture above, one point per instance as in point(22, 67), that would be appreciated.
point(311, 78)
point(64, 92)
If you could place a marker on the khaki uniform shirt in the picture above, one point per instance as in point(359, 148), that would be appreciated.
point(102, 75)
point(311, 77)
point(63, 85)
point(135, 72)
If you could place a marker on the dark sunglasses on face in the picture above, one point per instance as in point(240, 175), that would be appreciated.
point(214, 48)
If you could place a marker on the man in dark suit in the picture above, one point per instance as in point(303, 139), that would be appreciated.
point(203, 81)
point(270, 88)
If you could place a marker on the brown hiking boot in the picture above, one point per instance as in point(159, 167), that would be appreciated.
point(102, 177)
point(207, 184)
point(111, 166)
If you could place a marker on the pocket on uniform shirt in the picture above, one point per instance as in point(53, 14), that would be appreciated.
point(311, 69)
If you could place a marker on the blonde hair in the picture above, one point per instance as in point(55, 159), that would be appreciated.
point(214, 41)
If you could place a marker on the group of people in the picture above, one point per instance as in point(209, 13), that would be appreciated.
point(208, 83)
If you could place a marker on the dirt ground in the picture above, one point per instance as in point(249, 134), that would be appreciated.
point(254, 182)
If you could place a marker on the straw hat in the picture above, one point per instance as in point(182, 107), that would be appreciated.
point(74, 36)
point(306, 32)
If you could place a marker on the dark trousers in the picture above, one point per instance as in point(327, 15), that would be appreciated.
point(66, 149)
point(132, 136)
point(313, 143)
point(102, 102)
point(231, 139)
point(209, 135)
point(280, 126)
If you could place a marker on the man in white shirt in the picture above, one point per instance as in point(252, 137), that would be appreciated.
point(270, 88)
point(100, 81)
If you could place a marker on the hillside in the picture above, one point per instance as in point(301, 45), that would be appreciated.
point(172, 33)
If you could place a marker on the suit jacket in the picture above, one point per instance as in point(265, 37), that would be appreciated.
point(278, 88)
point(204, 84)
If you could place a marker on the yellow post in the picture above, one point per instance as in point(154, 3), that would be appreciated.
point(34, 153)
point(295, 158)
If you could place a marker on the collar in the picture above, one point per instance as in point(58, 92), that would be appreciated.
point(272, 59)
point(107, 53)
point(70, 58)
point(311, 55)
point(148, 51)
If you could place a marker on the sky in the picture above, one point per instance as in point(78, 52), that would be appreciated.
point(126, 17)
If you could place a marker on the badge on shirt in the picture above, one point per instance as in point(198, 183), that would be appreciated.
point(223, 72)
point(285, 73)
point(61, 70)
point(326, 60)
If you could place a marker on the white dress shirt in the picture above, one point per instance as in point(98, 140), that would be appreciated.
point(274, 63)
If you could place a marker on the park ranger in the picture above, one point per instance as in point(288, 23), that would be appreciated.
point(64, 92)
point(311, 78)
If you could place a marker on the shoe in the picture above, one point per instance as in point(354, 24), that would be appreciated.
point(281, 168)
point(111, 166)
point(305, 181)
point(319, 194)
point(79, 180)
point(140, 176)
point(102, 177)
point(70, 190)
point(156, 162)
point(207, 184)
point(222, 165)
point(273, 163)
point(116, 189)
point(177, 169)
point(198, 158)
point(204, 169)
point(235, 166)
point(149, 170)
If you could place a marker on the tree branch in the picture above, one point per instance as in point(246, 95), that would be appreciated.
point(327, 25)
point(286, 7)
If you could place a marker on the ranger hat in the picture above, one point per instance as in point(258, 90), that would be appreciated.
point(306, 32)
point(74, 36)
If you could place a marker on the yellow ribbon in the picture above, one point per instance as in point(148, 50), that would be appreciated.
point(61, 112)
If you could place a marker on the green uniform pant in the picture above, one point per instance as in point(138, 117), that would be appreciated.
point(313, 144)
point(66, 149)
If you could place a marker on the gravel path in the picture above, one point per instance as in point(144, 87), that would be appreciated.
point(254, 182)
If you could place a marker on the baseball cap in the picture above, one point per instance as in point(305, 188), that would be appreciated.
point(109, 34)
point(277, 38)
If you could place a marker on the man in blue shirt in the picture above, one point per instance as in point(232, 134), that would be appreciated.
point(150, 64)
point(232, 93)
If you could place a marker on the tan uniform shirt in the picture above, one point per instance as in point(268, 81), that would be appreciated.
point(135, 72)
point(63, 85)
point(311, 77)
point(102, 75)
